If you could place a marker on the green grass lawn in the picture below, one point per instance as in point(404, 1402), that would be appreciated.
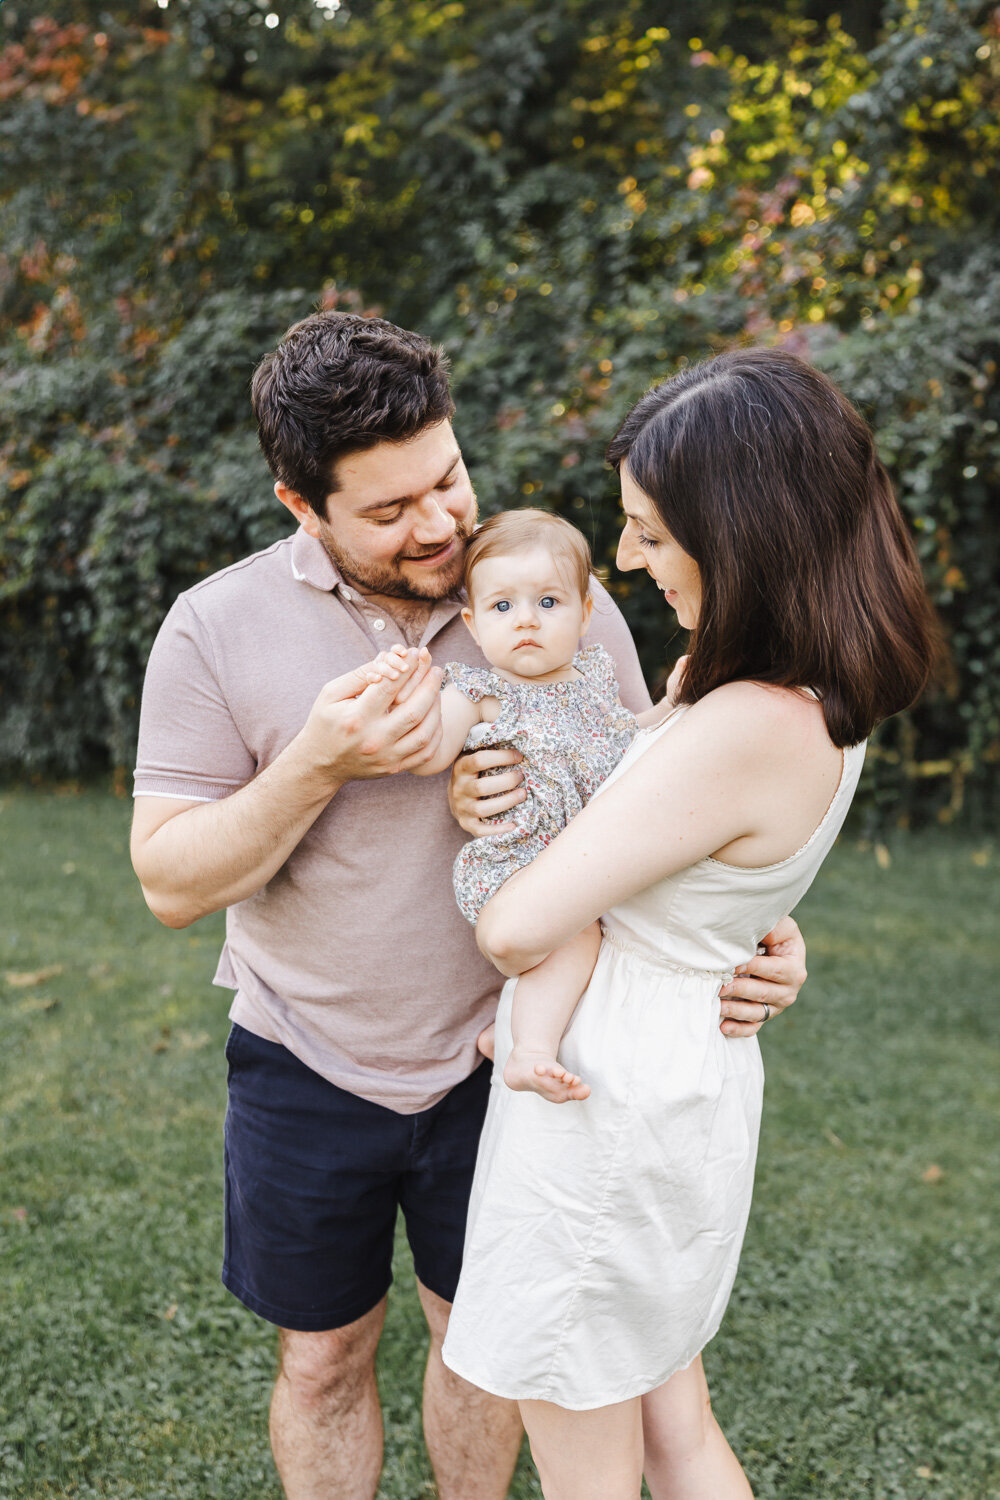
point(859, 1355)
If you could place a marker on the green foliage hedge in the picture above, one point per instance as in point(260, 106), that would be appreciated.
point(575, 200)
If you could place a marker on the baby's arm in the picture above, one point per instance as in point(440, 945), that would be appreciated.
point(544, 1000)
point(458, 715)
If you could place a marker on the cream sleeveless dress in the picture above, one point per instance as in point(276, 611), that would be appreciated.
point(604, 1234)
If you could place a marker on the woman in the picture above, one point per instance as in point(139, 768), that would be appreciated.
point(604, 1235)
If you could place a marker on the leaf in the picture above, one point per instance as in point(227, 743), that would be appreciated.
point(24, 979)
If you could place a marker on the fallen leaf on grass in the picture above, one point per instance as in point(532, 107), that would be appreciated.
point(171, 1312)
point(26, 1007)
point(933, 1173)
point(882, 857)
point(20, 1214)
point(20, 980)
point(832, 1138)
point(924, 1472)
point(981, 857)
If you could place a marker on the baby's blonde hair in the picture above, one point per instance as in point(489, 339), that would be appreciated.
point(514, 531)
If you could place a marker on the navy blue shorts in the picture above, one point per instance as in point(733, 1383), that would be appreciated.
point(314, 1178)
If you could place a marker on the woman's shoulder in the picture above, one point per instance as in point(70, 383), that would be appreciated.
point(756, 717)
point(764, 699)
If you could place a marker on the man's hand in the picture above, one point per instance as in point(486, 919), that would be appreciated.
point(195, 857)
point(472, 799)
point(380, 719)
point(773, 977)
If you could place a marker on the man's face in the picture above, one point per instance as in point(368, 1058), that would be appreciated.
point(401, 515)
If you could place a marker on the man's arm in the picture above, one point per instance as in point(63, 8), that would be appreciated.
point(193, 858)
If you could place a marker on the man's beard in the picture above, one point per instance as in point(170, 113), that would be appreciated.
point(388, 579)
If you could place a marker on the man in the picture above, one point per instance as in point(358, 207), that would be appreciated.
point(266, 783)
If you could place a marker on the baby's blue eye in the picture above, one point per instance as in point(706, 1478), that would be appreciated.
point(547, 602)
point(502, 606)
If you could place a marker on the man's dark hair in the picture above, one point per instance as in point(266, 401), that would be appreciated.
point(765, 474)
point(338, 384)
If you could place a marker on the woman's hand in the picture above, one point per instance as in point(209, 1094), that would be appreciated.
point(674, 680)
point(473, 800)
point(773, 978)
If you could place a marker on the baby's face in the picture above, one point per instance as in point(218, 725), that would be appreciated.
point(527, 615)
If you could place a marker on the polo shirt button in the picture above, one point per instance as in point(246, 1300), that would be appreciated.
point(378, 624)
point(347, 594)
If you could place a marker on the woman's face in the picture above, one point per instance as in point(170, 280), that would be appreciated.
point(645, 543)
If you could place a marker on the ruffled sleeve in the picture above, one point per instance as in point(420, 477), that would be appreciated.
point(476, 683)
point(598, 666)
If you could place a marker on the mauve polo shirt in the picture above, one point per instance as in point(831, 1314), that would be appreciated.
point(354, 956)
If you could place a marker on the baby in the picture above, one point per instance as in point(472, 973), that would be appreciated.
point(527, 574)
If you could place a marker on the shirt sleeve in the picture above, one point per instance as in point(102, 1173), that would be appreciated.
point(189, 745)
point(476, 683)
point(597, 666)
point(608, 629)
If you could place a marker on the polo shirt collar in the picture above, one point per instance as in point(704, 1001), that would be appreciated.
point(312, 564)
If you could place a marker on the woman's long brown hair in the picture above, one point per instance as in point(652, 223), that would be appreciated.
point(763, 471)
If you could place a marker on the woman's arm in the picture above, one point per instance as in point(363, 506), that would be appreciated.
point(722, 773)
point(458, 715)
point(653, 715)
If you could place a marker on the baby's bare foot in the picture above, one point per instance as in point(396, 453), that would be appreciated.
point(486, 1041)
point(542, 1074)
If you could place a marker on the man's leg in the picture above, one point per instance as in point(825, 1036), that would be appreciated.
point(473, 1439)
point(326, 1425)
point(312, 1182)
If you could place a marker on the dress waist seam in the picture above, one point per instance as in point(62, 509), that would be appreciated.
point(659, 962)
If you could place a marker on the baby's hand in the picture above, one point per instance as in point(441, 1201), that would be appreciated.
point(395, 665)
point(388, 666)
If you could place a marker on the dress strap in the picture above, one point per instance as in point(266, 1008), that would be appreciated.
point(671, 718)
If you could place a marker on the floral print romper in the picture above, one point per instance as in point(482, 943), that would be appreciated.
point(571, 734)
